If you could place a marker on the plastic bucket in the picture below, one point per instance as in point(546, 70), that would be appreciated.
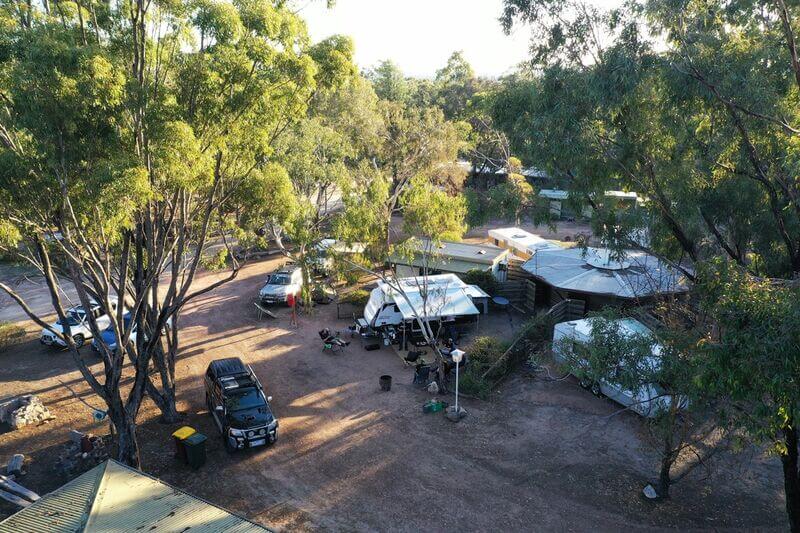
point(385, 382)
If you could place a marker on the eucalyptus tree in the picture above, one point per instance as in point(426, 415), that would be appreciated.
point(659, 372)
point(127, 132)
point(751, 364)
point(704, 124)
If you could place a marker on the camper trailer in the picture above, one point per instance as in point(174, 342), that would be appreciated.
point(441, 299)
point(649, 400)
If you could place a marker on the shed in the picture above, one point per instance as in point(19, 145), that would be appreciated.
point(592, 275)
point(520, 242)
point(115, 497)
point(451, 257)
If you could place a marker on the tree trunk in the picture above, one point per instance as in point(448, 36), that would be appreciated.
point(164, 396)
point(668, 457)
point(165, 401)
point(125, 427)
point(791, 477)
point(664, 478)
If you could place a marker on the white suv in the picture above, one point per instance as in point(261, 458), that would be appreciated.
point(78, 325)
point(280, 284)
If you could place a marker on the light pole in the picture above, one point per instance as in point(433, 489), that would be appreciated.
point(457, 355)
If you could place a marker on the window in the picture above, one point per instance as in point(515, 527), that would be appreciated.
point(73, 318)
point(247, 399)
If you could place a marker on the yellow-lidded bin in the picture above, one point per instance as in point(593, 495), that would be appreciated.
point(179, 436)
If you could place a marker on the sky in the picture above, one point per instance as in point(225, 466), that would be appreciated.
point(419, 35)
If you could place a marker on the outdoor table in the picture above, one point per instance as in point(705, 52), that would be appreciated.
point(501, 302)
point(504, 305)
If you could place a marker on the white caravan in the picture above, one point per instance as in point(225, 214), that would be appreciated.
point(433, 297)
point(649, 400)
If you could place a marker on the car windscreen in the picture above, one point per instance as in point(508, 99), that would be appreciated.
point(72, 318)
point(126, 321)
point(280, 279)
point(246, 399)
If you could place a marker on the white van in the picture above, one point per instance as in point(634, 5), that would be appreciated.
point(649, 400)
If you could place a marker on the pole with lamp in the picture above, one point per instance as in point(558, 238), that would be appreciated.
point(455, 413)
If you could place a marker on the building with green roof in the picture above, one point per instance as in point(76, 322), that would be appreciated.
point(114, 497)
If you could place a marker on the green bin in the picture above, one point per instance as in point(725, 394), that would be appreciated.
point(195, 450)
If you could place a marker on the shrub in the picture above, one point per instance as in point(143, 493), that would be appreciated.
point(482, 278)
point(10, 334)
point(356, 297)
point(482, 354)
point(215, 262)
point(471, 382)
point(486, 350)
point(485, 368)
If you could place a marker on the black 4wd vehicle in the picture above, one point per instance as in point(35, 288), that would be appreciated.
point(238, 405)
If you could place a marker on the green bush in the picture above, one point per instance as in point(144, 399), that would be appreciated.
point(356, 297)
point(10, 334)
point(215, 262)
point(483, 279)
point(483, 352)
point(486, 350)
point(471, 383)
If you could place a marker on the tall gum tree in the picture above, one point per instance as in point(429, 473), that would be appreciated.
point(705, 125)
point(126, 131)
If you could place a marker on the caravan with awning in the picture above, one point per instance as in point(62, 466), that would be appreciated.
point(427, 298)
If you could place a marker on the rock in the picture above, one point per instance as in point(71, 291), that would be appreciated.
point(650, 492)
point(433, 388)
point(27, 410)
point(14, 466)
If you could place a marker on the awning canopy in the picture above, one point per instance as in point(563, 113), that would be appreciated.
point(439, 303)
point(593, 271)
point(433, 297)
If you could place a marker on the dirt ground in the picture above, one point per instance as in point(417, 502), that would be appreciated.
point(541, 455)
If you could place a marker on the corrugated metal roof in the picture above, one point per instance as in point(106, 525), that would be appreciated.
point(575, 269)
point(114, 497)
point(63, 510)
point(443, 253)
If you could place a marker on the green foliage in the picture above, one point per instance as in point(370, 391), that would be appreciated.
point(482, 278)
point(431, 213)
point(10, 334)
point(364, 218)
point(216, 261)
point(486, 350)
point(358, 297)
point(389, 82)
point(455, 85)
point(750, 361)
point(483, 352)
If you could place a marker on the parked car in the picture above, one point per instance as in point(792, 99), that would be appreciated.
point(280, 284)
point(109, 338)
point(78, 321)
point(237, 403)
